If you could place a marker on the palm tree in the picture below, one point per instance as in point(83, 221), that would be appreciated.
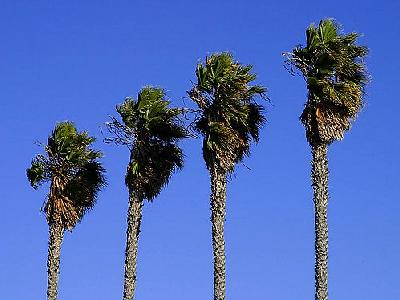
point(75, 177)
point(151, 130)
point(229, 120)
point(332, 65)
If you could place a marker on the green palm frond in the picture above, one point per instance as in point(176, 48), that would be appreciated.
point(332, 64)
point(230, 117)
point(151, 170)
point(66, 143)
point(72, 167)
point(38, 173)
point(152, 130)
point(150, 115)
point(84, 187)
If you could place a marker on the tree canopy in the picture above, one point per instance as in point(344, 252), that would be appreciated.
point(333, 67)
point(75, 173)
point(151, 129)
point(229, 117)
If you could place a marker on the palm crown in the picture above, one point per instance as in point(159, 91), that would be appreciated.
point(151, 129)
point(230, 118)
point(335, 73)
point(75, 174)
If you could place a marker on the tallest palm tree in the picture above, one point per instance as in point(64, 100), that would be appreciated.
point(332, 65)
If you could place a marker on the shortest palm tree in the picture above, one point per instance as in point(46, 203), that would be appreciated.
point(75, 177)
point(151, 130)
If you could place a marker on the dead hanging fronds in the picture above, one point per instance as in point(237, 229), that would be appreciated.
point(324, 124)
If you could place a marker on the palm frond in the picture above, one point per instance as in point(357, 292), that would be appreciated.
point(332, 64)
point(151, 168)
point(151, 129)
point(230, 118)
point(84, 187)
point(72, 167)
point(38, 173)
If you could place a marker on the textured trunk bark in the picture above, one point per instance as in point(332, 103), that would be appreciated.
point(218, 203)
point(320, 186)
point(56, 233)
point(132, 237)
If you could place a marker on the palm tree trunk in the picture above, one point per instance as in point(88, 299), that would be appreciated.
point(320, 186)
point(218, 203)
point(56, 233)
point(132, 237)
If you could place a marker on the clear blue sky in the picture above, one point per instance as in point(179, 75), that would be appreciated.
point(76, 59)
